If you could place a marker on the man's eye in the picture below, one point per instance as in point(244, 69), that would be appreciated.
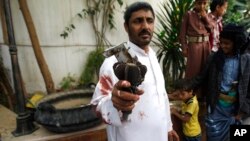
point(150, 21)
point(138, 21)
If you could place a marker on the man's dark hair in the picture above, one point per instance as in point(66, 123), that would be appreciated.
point(136, 7)
point(183, 84)
point(236, 33)
point(215, 3)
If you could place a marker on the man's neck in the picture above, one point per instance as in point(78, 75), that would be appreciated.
point(145, 47)
point(215, 15)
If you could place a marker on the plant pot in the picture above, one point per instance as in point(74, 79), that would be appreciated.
point(67, 111)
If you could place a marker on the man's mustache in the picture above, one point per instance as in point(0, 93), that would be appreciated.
point(143, 32)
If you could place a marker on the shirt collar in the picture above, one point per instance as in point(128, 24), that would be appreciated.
point(217, 19)
point(236, 56)
point(138, 49)
point(190, 100)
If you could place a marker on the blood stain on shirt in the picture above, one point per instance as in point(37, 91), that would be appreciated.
point(142, 115)
point(106, 84)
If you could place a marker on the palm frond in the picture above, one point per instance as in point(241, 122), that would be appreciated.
point(167, 33)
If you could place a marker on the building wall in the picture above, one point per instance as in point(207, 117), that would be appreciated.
point(63, 56)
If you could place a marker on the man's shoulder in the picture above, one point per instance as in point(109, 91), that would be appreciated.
point(109, 62)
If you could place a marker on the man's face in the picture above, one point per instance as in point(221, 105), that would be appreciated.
point(227, 46)
point(140, 27)
point(221, 10)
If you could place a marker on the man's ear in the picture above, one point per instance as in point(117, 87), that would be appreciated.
point(125, 26)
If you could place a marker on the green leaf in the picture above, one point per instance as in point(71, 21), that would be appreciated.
point(64, 35)
point(80, 15)
point(72, 26)
point(120, 2)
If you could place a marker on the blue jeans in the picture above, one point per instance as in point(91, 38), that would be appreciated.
point(196, 138)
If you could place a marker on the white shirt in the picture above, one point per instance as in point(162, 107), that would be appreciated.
point(150, 119)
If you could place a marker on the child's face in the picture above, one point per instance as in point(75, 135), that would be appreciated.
point(201, 5)
point(184, 95)
point(221, 10)
point(227, 46)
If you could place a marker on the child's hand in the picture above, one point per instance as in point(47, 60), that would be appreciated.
point(173, 110)
point(203, 13)
point(239, 116)
point(173, 96)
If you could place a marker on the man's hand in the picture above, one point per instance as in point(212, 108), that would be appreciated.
point(173, 136)
point(123, 100)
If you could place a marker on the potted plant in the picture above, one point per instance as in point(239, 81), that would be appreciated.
point(169, 53)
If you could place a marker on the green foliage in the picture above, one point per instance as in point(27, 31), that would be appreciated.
point(67, 31)
point(83, 15)
point(101, 15)
point(96, 10)
point(238, 12)
point(69, 82)
point(94, 62)
point(169, 53)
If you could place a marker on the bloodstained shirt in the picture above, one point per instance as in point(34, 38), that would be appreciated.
point(150, 119)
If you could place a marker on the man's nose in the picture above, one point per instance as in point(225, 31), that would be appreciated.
point(145, 24)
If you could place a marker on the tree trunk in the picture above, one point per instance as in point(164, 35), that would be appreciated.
point(5, 87)
point(4, 28)
point(36, 47)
